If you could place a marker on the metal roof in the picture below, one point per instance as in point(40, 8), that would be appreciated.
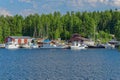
point(22, 37)
point(77, 37)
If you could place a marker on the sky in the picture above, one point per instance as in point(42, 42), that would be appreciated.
point(27, 7)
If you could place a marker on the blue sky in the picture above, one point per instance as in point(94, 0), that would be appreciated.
point(26, 7)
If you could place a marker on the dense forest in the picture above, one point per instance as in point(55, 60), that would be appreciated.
point(100, 25)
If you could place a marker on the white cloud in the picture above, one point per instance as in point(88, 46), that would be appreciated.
point(49, 6)
point(46, 8)
point(27, 1)
point(5, 12)
point(79, 3)
point(11, 1)
point(33, 2)
point(75, 3)
point(27, 12)
point(103, 1)
point(94, 3)
point(115, 3)
point(35, 5)
point(107, 2)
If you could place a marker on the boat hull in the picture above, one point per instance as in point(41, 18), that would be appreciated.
point(51, 46)
point(77, 47)
point(11, 47)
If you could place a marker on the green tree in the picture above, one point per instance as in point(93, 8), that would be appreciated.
point(117, 30)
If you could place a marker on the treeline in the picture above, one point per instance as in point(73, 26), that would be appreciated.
point(99, 25)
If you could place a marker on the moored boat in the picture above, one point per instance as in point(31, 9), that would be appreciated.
point(109, 46)
point(96, 46)
point(25, 46)
point(2, 45)
point(48, 45)
point(34, 46)
point(11, 45)
point(77, 46)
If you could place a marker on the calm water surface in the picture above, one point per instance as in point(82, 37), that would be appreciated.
point(59, 64)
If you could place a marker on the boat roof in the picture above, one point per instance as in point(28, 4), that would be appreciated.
point(46, 41)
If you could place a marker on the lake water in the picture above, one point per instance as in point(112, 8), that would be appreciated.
point(59, 64)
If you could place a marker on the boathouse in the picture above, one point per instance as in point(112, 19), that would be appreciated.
point(79, 38)
point(19, 39)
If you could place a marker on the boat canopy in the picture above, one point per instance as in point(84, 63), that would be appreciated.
point(46, 41)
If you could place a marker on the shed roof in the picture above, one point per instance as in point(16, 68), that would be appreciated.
point(22, 37)
point(78, 37)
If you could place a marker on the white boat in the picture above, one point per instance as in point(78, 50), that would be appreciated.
point(48, 45)
point(11, 45)
point(77, 46)
point(34, 46)
point(26, 46)
point(2, 45)
point(109, 46)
